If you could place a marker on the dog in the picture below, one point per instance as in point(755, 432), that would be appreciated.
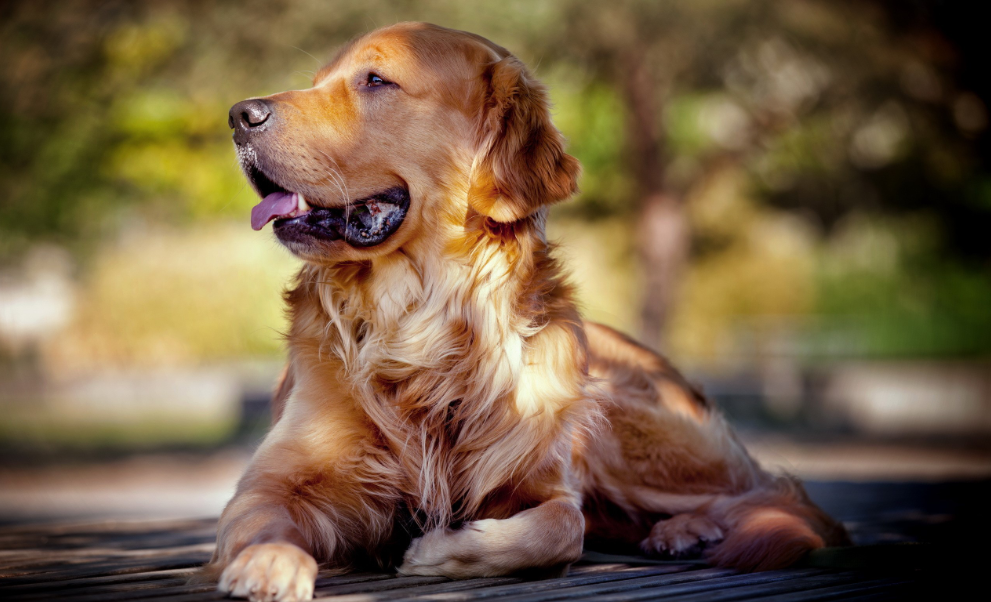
point(445, 410)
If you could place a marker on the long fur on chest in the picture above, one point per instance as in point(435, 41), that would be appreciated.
point(469, 363)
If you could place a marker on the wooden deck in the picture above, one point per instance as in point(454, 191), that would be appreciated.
point(908, 534)
point(151, 560)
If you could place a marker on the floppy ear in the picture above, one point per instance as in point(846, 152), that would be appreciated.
point(521, 163)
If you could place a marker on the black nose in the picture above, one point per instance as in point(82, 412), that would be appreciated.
point(248, 117)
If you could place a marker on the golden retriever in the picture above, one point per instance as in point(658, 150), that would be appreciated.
point(445, 409)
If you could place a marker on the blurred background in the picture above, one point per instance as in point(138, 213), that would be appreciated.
point(789, 198)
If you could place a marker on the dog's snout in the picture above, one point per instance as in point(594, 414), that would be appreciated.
point(247, 117)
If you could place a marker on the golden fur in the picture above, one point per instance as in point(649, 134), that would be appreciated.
point(445, 409)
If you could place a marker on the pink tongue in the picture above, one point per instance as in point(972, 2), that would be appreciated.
point(275, 205)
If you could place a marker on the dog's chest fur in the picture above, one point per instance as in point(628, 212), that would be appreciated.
point(436, 355)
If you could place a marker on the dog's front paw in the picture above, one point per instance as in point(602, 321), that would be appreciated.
point(270, 572)
point(681, 535)
point(426, 555)
point(450, 553)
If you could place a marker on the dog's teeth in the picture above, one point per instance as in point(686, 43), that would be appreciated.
point(301, 206)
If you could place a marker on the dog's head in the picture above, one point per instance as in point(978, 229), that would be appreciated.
point(408, 128)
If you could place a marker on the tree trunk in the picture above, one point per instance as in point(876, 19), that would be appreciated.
point(662, 237)
point(663, 241)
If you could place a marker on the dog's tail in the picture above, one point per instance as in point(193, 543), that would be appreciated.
point(773, 529)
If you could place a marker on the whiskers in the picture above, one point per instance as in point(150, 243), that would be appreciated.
point(334, 171)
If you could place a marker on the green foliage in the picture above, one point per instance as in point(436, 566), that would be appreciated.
point(826, 114)
point(892, 295)
point(592, 116)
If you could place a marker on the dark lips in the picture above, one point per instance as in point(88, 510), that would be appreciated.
point(364, 223)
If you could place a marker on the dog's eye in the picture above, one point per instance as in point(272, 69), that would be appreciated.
point(374, 80)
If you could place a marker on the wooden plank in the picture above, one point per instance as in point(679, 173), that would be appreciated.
point(136, 591)
point(553, 589)
point(581, 569)
point(40, 555)
point(94, 581)
point(897, 593)
point(679, 583)
point(206, 591)
point(348, 578)
point(727, 591)
point(106, 591)
point(873, 589)
point(572, 580)
point(377, 586)
point(462, 585)
point(99, 569)
point(80, 535)
point(202, 593)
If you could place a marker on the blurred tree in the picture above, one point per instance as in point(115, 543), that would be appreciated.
point(833, 108)
point(864, 120)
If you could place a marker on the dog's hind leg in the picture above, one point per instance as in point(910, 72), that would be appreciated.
point(682, 535)
point(769, 527)
point(544, 539)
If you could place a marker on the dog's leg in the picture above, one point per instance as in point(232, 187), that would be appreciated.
point(274, 564)
point(261, 553)
point(691, 527)
point(292, 508)
point(280, 522)
point(768, 527)
point(272, 532)
point(547, 538)
point(771, 527)
point(682, 535)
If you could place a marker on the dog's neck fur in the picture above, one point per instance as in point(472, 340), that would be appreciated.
point(436, 349)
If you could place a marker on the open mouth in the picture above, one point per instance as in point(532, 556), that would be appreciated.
point(364, 222)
